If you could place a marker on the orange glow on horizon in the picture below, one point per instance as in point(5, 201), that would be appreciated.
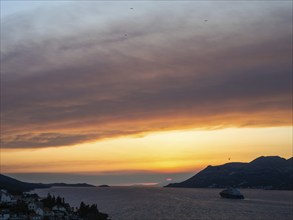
point(173, 151)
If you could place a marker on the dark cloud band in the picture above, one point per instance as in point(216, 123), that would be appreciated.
point(141, 74)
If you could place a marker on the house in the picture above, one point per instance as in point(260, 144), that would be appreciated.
point(47, 212)
point(30, 197)
point(59, 214)
point(35, 217)
point(59, 208)
point(4, 214)
point(40, 211)
point(6, 197)
point(33, 206)
point(17, 217)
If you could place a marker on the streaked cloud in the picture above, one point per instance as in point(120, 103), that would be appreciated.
point(89, 72)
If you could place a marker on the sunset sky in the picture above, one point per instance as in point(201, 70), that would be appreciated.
point(142, 91)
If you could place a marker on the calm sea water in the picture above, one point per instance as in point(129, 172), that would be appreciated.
point(152, 203)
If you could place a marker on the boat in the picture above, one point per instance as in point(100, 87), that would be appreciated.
point(231, 193)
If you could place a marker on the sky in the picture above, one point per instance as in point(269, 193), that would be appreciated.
point(127, 92)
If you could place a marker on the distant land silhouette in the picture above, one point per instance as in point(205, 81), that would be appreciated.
point(104, 185)
point(271, 172)
point(16, 186)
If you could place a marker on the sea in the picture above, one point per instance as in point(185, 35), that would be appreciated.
point(155, 203)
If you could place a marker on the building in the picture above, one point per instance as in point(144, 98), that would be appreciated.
point(35, 217)
point(48, 213)
point(59, 208)
point(30, 197)
point(33, 206)
point(40, 211)
point(6, 197)
point(4, 214)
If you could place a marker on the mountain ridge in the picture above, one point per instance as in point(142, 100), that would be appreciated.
point(270, 172)
point(17, 186)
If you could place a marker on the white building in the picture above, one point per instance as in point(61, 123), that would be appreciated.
point(59, 208)
point(4, 215)
point(40, 211)
point(35, 217)
point(6, 197)
point(33, 206)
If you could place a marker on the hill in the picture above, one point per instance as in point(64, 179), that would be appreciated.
point(16, 186)
point(272, 172)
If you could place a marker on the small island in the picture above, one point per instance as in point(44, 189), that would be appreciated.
point(104, 185)
point(17, 187)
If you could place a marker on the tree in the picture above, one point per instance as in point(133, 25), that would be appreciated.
point(91, 212)
point(59, 200)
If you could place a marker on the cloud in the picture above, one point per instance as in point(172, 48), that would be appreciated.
point(69, 79)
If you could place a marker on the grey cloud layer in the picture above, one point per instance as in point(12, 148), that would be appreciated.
point(141, 72)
